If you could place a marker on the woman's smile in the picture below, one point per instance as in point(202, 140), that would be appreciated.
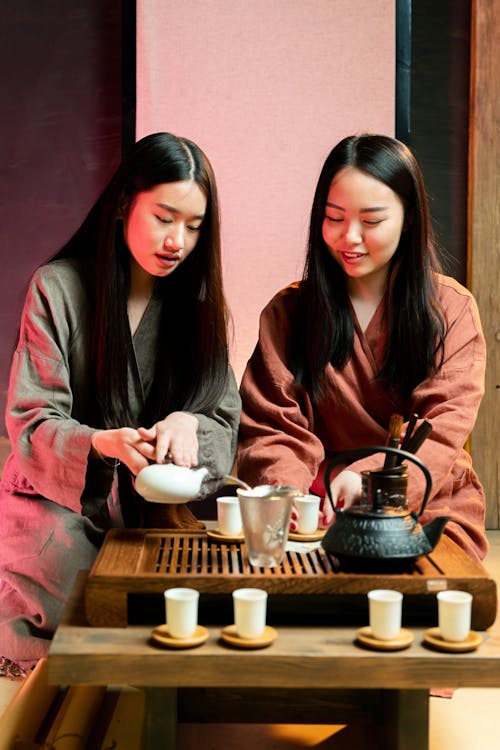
point(350, 256)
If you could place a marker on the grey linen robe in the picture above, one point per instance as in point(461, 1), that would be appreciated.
point(55, 503)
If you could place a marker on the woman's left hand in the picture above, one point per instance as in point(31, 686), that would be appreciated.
point(175, 438)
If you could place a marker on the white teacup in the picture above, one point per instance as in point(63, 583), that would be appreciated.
point(181, 609)
point(385, 608)
point(307, 507)
point(229, 516)
point(250, 606)
point(454, 614)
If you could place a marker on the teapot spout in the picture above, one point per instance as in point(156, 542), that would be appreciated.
point(434, 529)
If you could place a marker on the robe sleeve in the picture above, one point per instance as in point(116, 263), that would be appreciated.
point(51, 448)
point(449, 400)
point(277, 444)
point(218, 435)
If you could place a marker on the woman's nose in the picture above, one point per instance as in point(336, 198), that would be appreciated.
point(354, 232)
point(175, 236)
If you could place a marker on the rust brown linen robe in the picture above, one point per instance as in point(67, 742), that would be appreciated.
point(55, 503)
point(284, 437)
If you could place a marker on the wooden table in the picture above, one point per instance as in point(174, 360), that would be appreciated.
point(307, 675)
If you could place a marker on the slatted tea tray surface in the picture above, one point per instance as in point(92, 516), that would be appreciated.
point(147, 561)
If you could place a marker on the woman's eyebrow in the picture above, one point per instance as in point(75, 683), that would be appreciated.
point(174, 210)
point(361, 210)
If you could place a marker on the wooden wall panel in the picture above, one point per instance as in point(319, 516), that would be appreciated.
point(484, 235)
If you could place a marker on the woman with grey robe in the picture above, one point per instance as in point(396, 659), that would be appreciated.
point(122, 360)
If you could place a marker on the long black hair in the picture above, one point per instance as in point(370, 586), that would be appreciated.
point(415, 323)
point(192, 354)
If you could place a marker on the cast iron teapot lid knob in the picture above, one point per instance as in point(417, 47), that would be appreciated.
point(378, 501)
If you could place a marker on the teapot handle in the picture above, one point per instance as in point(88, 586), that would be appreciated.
point(349, 456)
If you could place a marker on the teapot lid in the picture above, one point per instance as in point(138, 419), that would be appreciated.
point(381, 499)
point(366, 510)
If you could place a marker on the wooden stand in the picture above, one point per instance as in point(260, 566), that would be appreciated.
point(137, 563)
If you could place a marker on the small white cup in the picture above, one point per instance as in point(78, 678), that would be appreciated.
point(181, 609)
point(308, 511)
point(385, 608)
point(229, 516)
point(454, 614)
point(250, 607)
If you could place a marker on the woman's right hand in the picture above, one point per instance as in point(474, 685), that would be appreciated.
point(345, 489)
point(125, 445)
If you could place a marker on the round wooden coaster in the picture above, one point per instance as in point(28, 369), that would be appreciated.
point(218, 536)
point(161, 637)
point(294, 536)
point(403, 640)
point(433, 638)
point(229, 635)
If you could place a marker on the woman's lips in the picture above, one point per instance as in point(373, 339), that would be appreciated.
point(167, 261)
point(351, 256)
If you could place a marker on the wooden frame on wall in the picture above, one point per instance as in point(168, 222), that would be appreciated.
point(484, 237)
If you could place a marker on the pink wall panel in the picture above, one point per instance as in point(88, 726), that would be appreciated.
point(266, 88)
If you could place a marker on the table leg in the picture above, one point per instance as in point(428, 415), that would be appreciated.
point(405, 720)
point(160, 719)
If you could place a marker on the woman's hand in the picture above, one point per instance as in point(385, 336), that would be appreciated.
point(123, 444)
point(174, 438)
point(345, 489)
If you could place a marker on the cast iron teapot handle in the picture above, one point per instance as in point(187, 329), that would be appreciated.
point(348, 457)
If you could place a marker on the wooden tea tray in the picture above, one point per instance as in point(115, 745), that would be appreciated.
point(135, 563)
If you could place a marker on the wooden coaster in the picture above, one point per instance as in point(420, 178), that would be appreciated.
point(403, 640)
point(218, 536)
point(229, 635)
point(294, 536)
point(162, 637)
point(433, 638)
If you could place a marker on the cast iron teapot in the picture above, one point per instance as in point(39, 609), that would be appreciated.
point(380, 526)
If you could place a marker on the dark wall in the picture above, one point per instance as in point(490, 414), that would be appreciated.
point(61, 133)
point(439, 117)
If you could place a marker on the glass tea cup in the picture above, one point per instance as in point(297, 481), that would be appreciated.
point(266, 511)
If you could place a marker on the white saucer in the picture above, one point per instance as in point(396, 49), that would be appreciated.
point(229, 635)
point(433, 638)
point(294, 536)
point(218, 536)
point(402, 640)
point(162, 637)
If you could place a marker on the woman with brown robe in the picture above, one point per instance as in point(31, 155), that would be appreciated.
point(373, 329)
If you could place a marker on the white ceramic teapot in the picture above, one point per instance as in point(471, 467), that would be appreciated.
point(168, 483)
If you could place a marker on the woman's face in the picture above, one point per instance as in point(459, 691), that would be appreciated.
point(162, 225)
point(362, 226)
